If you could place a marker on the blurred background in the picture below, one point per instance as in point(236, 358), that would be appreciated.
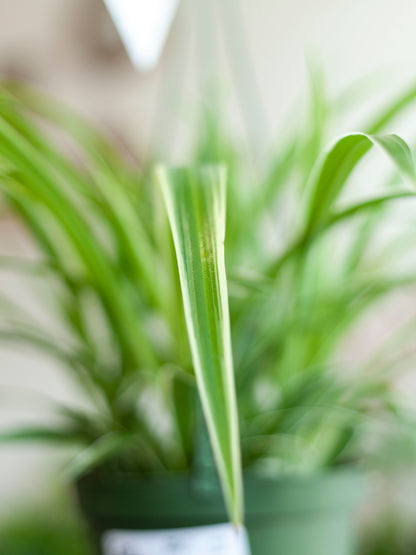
point(71, 49)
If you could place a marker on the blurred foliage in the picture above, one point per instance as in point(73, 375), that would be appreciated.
point(391, 534)
point(307, 255)
point(52, 529)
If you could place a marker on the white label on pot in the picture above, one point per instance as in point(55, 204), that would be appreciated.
point(217, 539)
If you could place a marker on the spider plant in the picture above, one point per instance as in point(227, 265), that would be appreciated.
point(147, 311)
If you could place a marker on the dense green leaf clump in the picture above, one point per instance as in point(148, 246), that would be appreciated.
point(302, 265)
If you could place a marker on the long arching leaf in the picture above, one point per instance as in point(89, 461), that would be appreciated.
point(339, 162)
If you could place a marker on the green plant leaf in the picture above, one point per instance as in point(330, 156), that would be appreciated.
point(34, 177)
point(99, 451)
point(338, 163)
point(42, 433)
point(195, 201)
point(392, 110)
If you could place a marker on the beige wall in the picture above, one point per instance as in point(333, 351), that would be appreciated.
point(69, 47)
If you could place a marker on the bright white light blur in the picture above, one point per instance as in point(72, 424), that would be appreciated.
point(143, 26)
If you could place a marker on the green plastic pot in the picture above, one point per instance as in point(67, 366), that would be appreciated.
point(288, 516)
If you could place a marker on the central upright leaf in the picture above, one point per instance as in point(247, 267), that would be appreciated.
point(195, 201)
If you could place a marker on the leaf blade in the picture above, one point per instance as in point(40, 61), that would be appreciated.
point(195, 202)
point(341, 159)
